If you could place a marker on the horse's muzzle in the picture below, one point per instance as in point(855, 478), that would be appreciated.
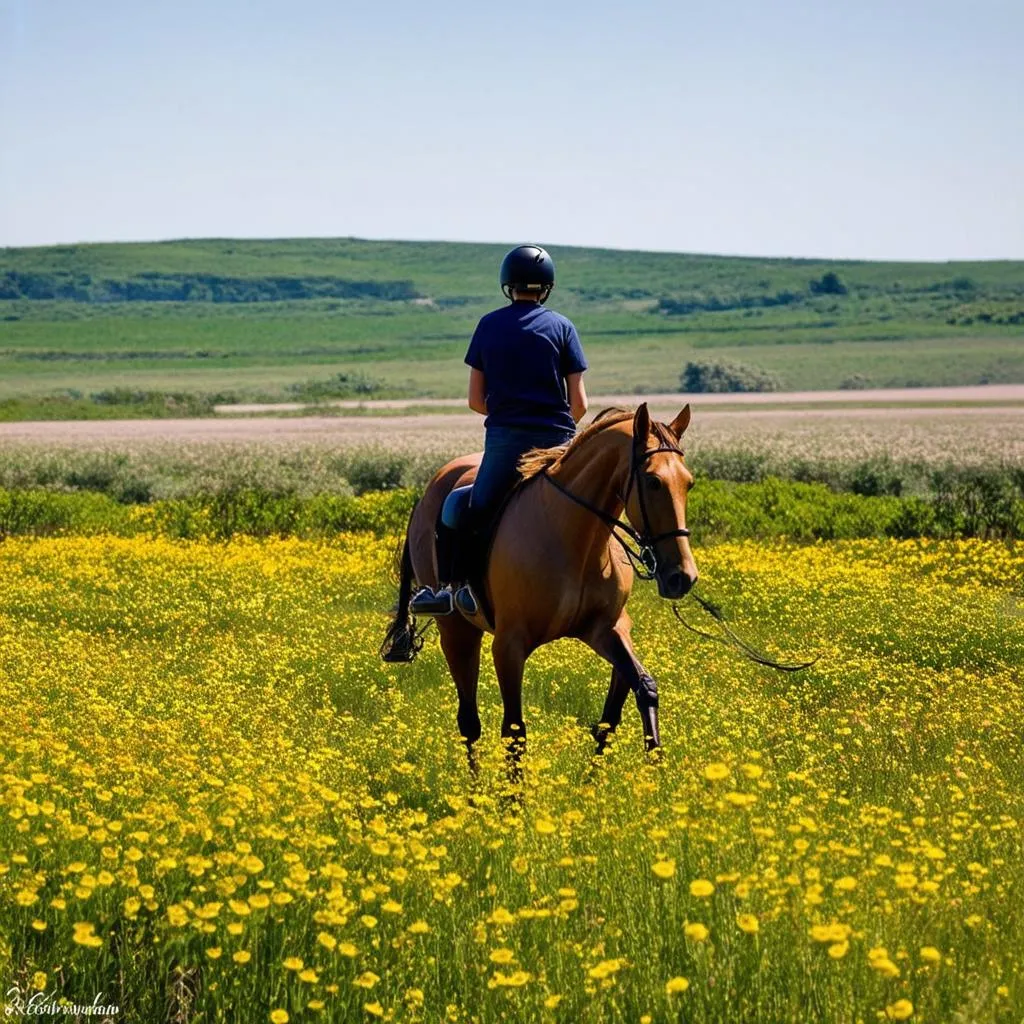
point(674, 584)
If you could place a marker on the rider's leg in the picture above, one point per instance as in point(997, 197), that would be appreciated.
point(498, 474)
point(449, 549)
point(495, 477)
point(447, 544)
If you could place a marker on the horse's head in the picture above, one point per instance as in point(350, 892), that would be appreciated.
point(656, 499)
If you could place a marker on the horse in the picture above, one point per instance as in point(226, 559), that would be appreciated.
point(555, 567)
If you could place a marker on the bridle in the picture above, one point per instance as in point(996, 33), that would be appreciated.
point(644, 561)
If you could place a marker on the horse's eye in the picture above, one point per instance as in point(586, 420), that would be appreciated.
point(654, 483)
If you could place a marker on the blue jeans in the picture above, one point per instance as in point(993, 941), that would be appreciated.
point(498, 473)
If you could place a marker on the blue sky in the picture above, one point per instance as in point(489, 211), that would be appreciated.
point(881, 130)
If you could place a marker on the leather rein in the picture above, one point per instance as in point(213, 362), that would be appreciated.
point(644, 562)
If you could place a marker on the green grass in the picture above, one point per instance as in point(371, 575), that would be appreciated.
point(897, 323)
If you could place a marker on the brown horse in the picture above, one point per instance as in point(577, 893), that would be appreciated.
point(557, 567)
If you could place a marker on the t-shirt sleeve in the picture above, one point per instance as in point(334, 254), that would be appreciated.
point(474, 354)
point(573, 360)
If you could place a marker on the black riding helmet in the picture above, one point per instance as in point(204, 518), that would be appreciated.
point(527, 266)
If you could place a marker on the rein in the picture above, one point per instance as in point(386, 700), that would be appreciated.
point(644, 562)
point(732, 640)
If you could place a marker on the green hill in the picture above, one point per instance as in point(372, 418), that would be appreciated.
point(324, 317)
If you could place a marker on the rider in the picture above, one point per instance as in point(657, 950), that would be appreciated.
point(526, 376)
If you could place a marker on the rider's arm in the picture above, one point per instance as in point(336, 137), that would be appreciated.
point(477, 392)
point(577, 394)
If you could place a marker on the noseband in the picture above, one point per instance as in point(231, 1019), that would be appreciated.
point(644, 562)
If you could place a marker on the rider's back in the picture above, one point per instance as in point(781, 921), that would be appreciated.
point(525, 352)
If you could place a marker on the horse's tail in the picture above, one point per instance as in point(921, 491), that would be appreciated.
point(402, 642)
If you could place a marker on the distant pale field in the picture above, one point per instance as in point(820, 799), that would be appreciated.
point(966, 435)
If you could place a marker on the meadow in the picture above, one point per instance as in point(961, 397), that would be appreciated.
point(221, 806)
point(95, 331)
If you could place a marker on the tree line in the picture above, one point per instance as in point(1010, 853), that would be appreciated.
point(153, 287)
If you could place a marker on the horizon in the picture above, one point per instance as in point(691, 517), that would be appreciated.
point(476, 241)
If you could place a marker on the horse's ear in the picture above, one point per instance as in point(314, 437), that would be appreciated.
point(681, 422)
point(641, 426)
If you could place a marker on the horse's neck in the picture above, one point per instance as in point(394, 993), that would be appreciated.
point(598, 472)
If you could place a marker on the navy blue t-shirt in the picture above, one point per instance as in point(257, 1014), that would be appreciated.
point(525, 352)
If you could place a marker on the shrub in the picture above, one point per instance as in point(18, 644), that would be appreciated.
point(341, 385)
point(42, 513)
point(828, 284)
point(720, 375)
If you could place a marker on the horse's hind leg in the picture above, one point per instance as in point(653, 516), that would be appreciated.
point(460, 643)
point(618, 691)
point(509, 653)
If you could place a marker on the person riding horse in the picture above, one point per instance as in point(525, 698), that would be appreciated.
point(526, 376)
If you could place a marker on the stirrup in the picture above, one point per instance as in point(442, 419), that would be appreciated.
point(465, 600)
point(429, 602)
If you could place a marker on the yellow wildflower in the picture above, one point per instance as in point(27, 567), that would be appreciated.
point(900, 1010)
point(84, 935)
point(605, 969)
point(664, 868)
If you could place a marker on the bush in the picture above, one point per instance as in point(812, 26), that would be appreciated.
point(719, 375)
point(42, 513)
point(383, 471)
point(341, 385)
point(828, 284)
point(776, 508)
point(717, 511)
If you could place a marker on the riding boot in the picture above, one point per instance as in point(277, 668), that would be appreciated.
point(447, 543)
point(439, 602)
point(457, 557)
point(468, 564)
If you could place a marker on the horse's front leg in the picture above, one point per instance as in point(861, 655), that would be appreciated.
point(618, 691)
point(615, 646)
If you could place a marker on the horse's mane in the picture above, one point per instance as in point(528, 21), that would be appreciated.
point(540, 459)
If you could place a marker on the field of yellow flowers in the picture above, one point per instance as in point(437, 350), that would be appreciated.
point(219, 805)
